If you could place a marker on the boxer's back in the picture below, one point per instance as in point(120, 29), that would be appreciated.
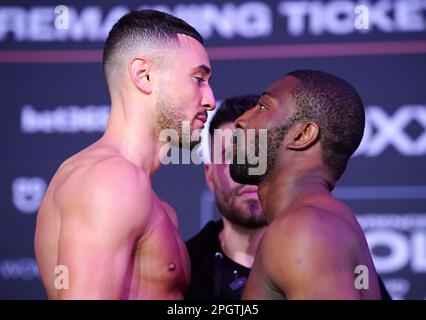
point(101, 220)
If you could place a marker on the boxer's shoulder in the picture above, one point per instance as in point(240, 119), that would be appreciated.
point(304, 245)
point(306, 222)
point(309, 230)
point(102, 185)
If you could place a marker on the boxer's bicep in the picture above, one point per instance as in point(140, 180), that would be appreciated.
point(97, 237)
point(318, 270)
point(94, 263)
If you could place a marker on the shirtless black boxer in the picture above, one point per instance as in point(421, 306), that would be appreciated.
point(313, 245)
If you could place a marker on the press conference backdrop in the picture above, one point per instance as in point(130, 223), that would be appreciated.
point(54, 102)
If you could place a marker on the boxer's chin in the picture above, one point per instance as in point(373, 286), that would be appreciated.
point(186, 142)
point(192, 146)
point(240, 174)
point(195, 145)
point(195, 139)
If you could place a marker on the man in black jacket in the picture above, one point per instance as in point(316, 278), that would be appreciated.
point(222, 253)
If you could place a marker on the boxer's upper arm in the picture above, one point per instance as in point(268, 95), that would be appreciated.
point(310, 259)
point(99, 226)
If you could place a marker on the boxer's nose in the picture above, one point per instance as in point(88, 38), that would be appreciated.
point(243, 120)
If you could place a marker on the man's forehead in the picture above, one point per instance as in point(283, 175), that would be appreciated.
point(194, 49)
point(282, 88)
point(284, 85)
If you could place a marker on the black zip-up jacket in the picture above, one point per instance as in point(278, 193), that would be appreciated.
point(214, 276)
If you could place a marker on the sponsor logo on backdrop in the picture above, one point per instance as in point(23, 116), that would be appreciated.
point(227, 20)
point(27, 193)
point(64, 119)
point(397, 243)
point(19, 269)
point(401, 236)
point(384, 129)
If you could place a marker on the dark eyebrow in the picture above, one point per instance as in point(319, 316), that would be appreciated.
point(267, 93)
point(204, 69)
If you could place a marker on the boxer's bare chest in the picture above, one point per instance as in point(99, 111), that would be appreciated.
point(160, 262)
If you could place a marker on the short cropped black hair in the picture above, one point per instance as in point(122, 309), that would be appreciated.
point(336, 107)
point(230, 109)
point(138, 26)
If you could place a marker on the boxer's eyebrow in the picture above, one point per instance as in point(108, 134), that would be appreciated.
point(269, 96)
point(267, 93)
point(205, 70)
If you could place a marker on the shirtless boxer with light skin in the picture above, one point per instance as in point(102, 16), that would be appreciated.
point(313, 243)
point(100, 217)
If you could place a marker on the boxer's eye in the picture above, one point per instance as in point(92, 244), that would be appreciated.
point(199, 80)
point(262, 106)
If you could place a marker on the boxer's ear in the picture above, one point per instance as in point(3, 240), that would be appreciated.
point(208, 172)
point(303, 135)
point(139, 69)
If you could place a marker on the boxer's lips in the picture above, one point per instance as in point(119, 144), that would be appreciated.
point(250, 190)
point(201, 121)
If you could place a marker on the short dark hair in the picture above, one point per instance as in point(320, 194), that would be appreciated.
point(336, 107)
point(137, 26)
point(230, 109)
